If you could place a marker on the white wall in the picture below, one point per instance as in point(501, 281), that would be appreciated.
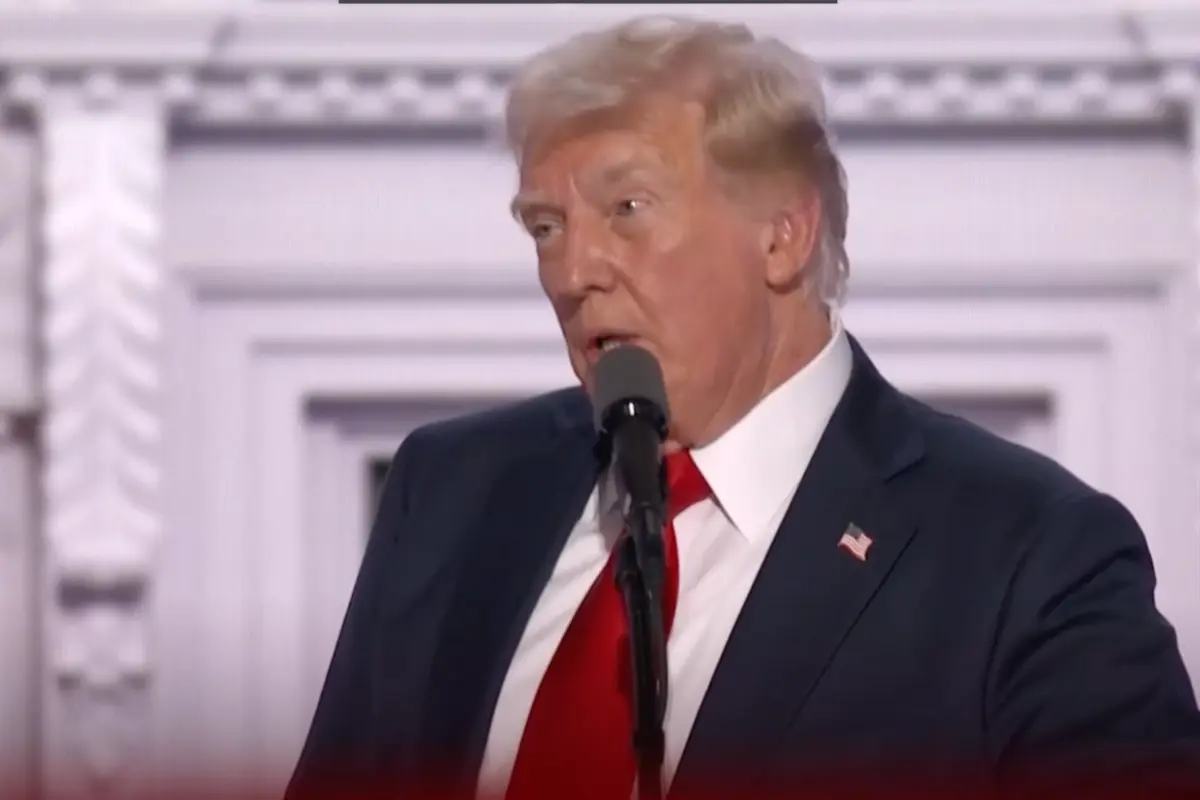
point(1096, 205)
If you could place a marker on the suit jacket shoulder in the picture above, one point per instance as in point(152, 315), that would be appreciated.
point(981, 475)
point(462, 454)
point(1078, 653)
point(369, 718)
point(521, 421)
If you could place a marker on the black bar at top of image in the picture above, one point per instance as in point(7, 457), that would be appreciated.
point(544, 3)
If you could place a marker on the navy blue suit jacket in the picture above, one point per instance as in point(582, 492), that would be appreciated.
point(1005, 614)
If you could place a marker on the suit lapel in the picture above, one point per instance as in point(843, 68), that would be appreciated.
point(810, 591)
point(507, 562)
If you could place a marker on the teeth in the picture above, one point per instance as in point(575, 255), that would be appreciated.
point(609, 344)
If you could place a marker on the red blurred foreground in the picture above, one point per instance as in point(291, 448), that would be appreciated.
point(850, 787)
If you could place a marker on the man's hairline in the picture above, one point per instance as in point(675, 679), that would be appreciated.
point(732, 183)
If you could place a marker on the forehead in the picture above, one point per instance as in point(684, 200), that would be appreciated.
point(665, 137)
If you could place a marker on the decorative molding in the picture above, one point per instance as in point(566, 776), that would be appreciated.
point(102, 332)
point(101, 437)
point(1015, 63)
point(519, 280)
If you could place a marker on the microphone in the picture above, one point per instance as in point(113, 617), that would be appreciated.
point(631, 412)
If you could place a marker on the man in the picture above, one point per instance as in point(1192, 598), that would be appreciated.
point(858, 581)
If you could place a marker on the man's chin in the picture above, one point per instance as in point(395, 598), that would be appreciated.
point(583, 375)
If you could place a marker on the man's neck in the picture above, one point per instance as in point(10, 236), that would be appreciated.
point(792, 351)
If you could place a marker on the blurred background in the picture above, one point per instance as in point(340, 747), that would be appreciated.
point(246, 246)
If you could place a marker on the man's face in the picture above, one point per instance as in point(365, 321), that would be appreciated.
point(636, 242)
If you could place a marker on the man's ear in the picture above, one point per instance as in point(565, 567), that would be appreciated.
point(790, 240)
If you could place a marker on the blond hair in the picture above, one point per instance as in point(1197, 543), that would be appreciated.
point(764, 107)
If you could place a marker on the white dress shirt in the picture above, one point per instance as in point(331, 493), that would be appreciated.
point(753, 470)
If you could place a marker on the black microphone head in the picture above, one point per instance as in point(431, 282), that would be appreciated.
point(628, 375)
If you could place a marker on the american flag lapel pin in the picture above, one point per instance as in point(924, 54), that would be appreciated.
point(855, 542)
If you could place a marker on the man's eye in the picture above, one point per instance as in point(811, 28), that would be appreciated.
point(540, 231)
point(627, 207)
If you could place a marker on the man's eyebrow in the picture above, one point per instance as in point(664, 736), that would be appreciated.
point(622, 170)
point(526, 203)
point(614, 173)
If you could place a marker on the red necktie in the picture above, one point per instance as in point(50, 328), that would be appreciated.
point(578, 740)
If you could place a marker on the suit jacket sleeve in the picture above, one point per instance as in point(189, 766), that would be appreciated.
point(337, 748)
point(1086, 675)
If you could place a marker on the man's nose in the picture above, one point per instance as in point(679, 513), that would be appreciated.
point(588, 266)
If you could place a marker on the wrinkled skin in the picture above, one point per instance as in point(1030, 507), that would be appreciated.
point(638, 236)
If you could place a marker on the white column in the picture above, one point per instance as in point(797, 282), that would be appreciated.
point(1189, 607)
point(101, 335)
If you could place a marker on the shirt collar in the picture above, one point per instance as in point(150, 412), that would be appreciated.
point(755, 466)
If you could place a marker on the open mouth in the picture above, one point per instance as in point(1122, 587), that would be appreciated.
point(599, 345)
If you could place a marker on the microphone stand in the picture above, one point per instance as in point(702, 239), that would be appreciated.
point(640, 571)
